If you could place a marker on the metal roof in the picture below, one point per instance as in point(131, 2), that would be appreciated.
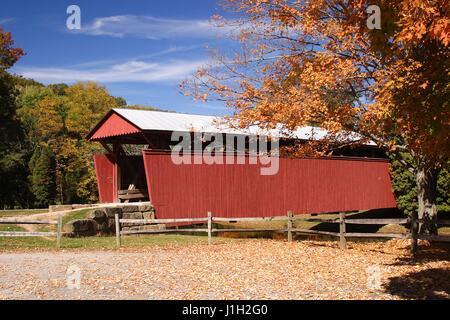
point(150, 120)
point(169, 121)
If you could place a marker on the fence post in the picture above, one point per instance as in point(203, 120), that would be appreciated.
point(414, 231)
point(58, 235)
point(342, 240)
point(118, 241)
point(289, 226)
point(209, 227)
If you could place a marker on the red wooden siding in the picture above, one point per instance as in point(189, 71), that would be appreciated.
point(105, 170)
point(114, 126)
point(301, 185)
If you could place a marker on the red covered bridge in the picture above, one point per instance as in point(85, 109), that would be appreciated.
point(138, 166)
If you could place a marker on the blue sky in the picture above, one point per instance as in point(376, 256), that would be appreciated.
point(139, 50)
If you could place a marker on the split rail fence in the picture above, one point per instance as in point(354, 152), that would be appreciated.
point(342, 221)
point(56, 234)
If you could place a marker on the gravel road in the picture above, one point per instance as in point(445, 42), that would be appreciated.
point(251, 269)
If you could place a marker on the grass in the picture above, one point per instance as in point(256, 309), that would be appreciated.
point(10, 243)
point(10, 227)
point(20, 212)
point(74, 215)
point(7, 243)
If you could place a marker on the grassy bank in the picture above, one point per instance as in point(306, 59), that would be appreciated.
point(7, 243)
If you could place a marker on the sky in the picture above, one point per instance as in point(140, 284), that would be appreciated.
point(140, 50)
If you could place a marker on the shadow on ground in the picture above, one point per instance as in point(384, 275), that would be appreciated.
point(429, 284)
point(362, 228)
point(426, 252)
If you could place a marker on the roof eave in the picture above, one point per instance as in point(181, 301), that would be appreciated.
point(103, 120)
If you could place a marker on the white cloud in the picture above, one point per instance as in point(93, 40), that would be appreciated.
point(128, 71)
point(171, 49)
point(149, 27)
point(5, 20)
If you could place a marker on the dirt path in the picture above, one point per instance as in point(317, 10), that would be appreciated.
point(251, 269)
point(54, 215)
point(45, 216)
point(39, 216)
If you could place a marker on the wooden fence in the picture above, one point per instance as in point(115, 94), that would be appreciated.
point(342, 221)
point(56, 234)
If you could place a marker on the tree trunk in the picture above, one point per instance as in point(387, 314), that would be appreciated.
point(426, 179)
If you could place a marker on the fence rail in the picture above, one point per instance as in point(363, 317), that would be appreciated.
point(24, 221)
point(56, 234)
point(342, 221)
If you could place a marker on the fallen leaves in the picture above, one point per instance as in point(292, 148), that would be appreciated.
point(248, 269)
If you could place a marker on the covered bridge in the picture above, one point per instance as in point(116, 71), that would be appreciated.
point(137, 166)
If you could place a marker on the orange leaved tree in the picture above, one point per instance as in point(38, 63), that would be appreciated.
point(348, 66)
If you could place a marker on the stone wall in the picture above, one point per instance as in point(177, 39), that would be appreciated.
point(101, 222)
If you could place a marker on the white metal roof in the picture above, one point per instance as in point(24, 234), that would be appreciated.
point(170, 121)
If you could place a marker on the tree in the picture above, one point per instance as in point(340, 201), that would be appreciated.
point(87, 103)
point(12, 144)
point(296, 57)
point(44, 157)
point(43, 178)
point(8, 53)
point(405, 187)
point(29, 95)
point(60, 116)
point(121, 102)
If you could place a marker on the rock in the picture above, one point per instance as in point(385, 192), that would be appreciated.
point(150, 227)
point(148, 215)
point(102, 221)
point(110, 212)
point(102, 226)
point(96, 214)
point(132, 215)
point(111, 225)
point(83, 226)
point(130, 208)
point(131, 228)
point(89, 227)
point(142, 228)
point(145, 207)
point(80, 206)
point(69, 227)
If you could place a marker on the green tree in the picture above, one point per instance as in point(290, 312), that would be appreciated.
point(12, 136)
point(405, 187)
point(121, 102)
point(29, 95)
point(61, 116)
point(43, 178)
